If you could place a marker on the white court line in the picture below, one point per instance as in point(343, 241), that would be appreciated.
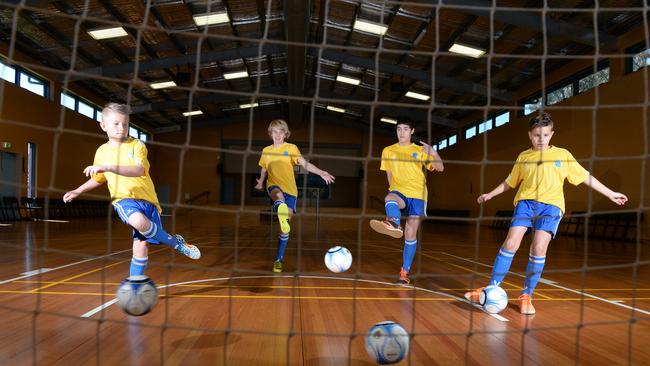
point(551, 283)
point(109, 303)
point(36, 272)
point(6, 224)
point(52, 220)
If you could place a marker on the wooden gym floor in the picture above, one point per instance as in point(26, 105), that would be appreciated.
point(228, 308)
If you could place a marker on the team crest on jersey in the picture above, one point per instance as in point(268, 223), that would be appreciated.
point(131, 154)
point(558, 163)
point(414, 155)
point(285, 153)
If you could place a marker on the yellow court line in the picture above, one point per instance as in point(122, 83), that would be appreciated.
point(37, 290)
point(286, 297)
point(391, 288)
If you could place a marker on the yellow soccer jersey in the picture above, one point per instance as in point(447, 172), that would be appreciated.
point(542, 174)
point(405, 165)
point(133, 152)
point(279, 163)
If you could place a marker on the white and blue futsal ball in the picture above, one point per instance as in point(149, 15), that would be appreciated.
point(387, 342)
point(493, 299)
point(338, 259)
point(137, 295)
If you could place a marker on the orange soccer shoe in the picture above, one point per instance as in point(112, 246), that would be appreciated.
point(526, 304)
point(387, 227)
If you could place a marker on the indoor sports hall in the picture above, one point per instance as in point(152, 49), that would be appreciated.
point(185, 107)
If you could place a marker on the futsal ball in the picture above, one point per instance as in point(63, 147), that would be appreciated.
point(338, 259)
point(493, 299)
point(387, 342)
point(137, 295)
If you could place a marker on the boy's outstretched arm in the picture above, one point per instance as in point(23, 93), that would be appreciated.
point(260, 181)
point(327, 177)
point(495, 192)
point(124, 170)
point(88, 186)
point(616, 197)
point(437, 160)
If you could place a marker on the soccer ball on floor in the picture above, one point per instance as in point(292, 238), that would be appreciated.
point(137, 295)
point(493, 299)
point(387, 342)
point(338, 259)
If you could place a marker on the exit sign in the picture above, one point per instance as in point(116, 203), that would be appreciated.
point(6, 145)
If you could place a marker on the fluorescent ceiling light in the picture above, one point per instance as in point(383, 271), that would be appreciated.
point(419, 96)
point(163, 84)
point(104, 33)
point(389, 120)
point(347, 80)
point(369, 27)
point(235, 75)
point(192, 113)
point(336, 109)
point(211, 18)
point(244, 106)
point(466, 50)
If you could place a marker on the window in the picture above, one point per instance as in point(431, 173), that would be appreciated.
point(33, 84)
point(77, 104)
point(532, 105)
point(132, 132)
point(452, 140)
point(641, 60)
point(442, 144)
point(502, 119)
point(7, 73)
point(559, 94)
point(470, 132)
point(485, 126)
point(86, 109)
point(68, 101)
point(593, 80)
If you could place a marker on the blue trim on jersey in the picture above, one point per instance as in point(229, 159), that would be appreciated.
point(537, 215)
point(289, 200)
point(413, 206)
point(127, 207)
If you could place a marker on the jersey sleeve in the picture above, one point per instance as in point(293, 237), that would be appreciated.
point(99, 177)
point(295, 155)
point(262, 162)
point(515, 174)
point(140, 155)
point(385, 164)
point(576, 173)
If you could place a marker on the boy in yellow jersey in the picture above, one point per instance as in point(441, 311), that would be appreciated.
point(122, 163)
point(539, 204)
point(404, 163)
point(278, 160)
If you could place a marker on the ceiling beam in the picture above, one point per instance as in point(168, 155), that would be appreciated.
point(532, 20)
point(166, 62)
point(420, 75)
point(296, 15)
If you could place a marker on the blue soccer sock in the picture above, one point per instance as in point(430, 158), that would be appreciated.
point(392, 211)
point(533, 273)
point(283, 239)
point(276, 204)
point(409, 253)
point(158, 233)
point(138, 265)
point(501, 266)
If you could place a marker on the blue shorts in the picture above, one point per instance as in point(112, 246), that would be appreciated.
point(537, 215)
point(127, 207)
point(289, 200)
point(413, 206)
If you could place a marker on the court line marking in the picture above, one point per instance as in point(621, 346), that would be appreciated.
point(61, 267)
point(452, 297)
point(564, 288)
point(36, 290)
